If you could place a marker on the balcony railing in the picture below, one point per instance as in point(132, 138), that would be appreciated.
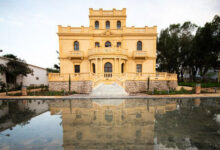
point(114, 76)
point(107, 51)
point(108, 75)
point(75, 54)
point(140, 54)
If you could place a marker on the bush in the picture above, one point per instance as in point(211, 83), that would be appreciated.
point(203, 85)
point(171, 92)
point(45, 93)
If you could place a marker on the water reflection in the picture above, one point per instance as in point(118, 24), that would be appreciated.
point(111, 124)
point(28, 125)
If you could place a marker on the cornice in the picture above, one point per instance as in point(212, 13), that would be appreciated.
point(95, 16)
point(111, 35)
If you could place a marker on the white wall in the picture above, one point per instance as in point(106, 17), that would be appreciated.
point(38, 77)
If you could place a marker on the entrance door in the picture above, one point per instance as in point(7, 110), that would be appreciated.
point(108, 67)
point(108, 70)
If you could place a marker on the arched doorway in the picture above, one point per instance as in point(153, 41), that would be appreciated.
point(108, 70)
point(108, 67)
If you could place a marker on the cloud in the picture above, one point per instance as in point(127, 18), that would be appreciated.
point(12, 22)
point(28, 28)
point(2, 19)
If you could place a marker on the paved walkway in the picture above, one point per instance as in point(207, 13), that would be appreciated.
point(87, 96)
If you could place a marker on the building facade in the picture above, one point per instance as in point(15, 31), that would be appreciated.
point(38, 77)
point(108, 51)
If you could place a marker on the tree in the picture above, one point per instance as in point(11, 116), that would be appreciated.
point(180, 51)
point(173, 46)
point(13, 68)
point(206, 46)
point(56, 67)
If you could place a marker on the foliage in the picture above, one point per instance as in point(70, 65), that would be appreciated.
point(56, 67)
point(52, 70)
point(14, 68)
point(174, 44)
point(45, 93)
point(42, 86)
point(50, 93)
point(206, 46)
point(171, 92)
point(203, 85)
point(182, 50)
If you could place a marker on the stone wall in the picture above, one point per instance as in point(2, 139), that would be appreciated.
point(77, 86)
point(133, 86)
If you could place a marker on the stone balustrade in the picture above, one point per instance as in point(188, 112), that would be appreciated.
point(124, 76)
point(107, 51)
point(102, 12)
point(75, 54)
point(125, 30)
point(139, 54)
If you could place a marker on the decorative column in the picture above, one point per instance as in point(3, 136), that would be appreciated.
point(101, 65)
point(89, 66)
point(96, 66)
point(119, 65)
point(114, 65)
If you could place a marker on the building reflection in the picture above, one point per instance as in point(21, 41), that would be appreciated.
point(13, 112)
point(123, 124)
point(114, 124)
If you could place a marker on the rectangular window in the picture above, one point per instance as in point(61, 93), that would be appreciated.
point(118, 44)
point(97, 44)
point(77, 68)
point(139, 67)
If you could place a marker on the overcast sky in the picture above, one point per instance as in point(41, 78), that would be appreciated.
point(28, 27)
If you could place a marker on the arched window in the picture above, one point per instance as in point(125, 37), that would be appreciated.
point(76, 45)
point(118, 24)
point(96, 25)
point(139, 45)
point(122, 68)
point(93, 68)
point(107, 25)
point(108, 67)
point(107, 44)
point(97, 44)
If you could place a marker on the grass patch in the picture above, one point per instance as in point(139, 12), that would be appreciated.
point(203, 85)
point(45, 93)
point(171, 92)
point(50, 93)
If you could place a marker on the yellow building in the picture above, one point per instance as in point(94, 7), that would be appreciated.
point(128, 124)
point(108, 51)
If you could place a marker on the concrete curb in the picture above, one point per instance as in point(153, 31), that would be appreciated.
point(108, 97)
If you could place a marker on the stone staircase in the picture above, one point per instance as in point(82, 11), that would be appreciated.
point(108, 90)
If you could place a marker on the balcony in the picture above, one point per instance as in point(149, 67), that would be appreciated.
point(75, 54)
point(108, 51)
point(140, 54)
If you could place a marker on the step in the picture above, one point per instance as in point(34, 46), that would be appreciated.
point(108, 90)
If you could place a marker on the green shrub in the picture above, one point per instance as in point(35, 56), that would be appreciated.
point(170, 92)
point(203, 85)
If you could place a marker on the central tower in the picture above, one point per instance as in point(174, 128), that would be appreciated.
point(107, 19)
